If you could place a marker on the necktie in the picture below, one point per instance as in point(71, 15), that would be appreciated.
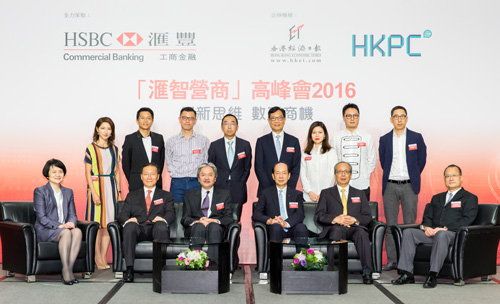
point(344, 201)
point(205, 205)
point(230, 153)
point(283, 212)
point(148, 200)
point(277, 146)
point(448, 198)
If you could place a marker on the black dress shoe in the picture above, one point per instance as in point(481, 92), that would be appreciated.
point(390, 267)
point(430, 281)
point(70, 282)
point(129, 276)
point(367, 278)
point(405, 278)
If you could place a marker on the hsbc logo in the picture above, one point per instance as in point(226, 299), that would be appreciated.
point(129, 39)
point(105, 39)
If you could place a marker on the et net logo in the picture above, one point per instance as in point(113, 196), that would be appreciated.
point(104, 39)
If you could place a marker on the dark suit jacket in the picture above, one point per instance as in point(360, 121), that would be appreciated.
point(134, 157)
point(135, 206)
point(439, 215)
point(330, 206)
point(265, 159)
point(47, 218)
point(268, 206)
point(239, 170)
point(415, 159)
point(191, 210)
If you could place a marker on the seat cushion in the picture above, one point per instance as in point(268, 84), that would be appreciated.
point(50, 251)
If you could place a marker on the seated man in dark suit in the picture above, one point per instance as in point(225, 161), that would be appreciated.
point(206, 211)
point(281, 209)
point(146, 215)
point(448, 211)
point(344, 212)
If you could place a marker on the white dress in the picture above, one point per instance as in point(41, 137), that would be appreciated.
point(316, 171)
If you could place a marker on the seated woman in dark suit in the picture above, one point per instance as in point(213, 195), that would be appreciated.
point(56, 217)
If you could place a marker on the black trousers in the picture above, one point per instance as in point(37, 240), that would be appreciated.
point(359, 235)
point(134, 233)
point(297, 233)
point(212, 234)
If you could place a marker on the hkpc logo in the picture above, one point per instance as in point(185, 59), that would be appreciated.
point(129, 39)
point(388, 45)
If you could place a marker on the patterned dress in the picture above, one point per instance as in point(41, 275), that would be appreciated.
point(103, 162)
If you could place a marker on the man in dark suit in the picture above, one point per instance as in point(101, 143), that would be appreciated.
point(142, 147)
point(447, 212)
point(275, 147)
point(233, 158)
point(344, 213)
point(206, 211)
point(402, 155)
point(281, 208)
point(146, 215)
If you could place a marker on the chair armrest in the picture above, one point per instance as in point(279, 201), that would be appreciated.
point(89, 235)
point(377, 233)
point(261, 243)
point(233, 236)
point(397, 235)
point(115, 235)
point(473, 244)
point(18, 247)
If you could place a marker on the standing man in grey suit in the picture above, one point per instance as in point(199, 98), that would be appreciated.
point(448, 211)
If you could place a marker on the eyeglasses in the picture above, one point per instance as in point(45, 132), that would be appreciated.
point(398, 117)
point(277, 118)
point(352, 116)
point(343, 172)
point(188, 118)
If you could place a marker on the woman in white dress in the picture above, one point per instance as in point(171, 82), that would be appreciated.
point(317, 163)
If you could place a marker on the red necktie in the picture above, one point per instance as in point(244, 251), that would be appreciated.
point(148, 200)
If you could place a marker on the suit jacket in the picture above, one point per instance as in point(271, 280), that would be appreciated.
point(134, 157)
point(47, 218)
point(461, 213)
point(135, 206)
point(268, 206)
point(265, 159)
point(191, 210)
point(415, 159)
point(239, 170)
point(330, 206)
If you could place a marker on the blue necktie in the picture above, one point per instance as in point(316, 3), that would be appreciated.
point(230, 153)
point(283, 212)
point(205, 205)
point(277, 146)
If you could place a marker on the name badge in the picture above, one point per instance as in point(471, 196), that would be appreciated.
point(355, 199)
point(219, 206)
point(196, 151)
point(290, 149)
point(456, 204)
point(158, 201)
point(309, 157)
point(242, 155)
point(361, 144)
point(154, 149)
point(412, 147)
point(293, 205)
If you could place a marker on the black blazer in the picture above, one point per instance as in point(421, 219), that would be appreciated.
point(191, 211)
point(265, 159)
point(135, 206)
point(268, 206)
point(239, 170)
point(330, 206)
point(134, 157)
point(459, 212)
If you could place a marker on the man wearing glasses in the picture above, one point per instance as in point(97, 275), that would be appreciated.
point(356, 147)
point(185, 152)
point(447, 212)
point(402, 155)
point(275, 147)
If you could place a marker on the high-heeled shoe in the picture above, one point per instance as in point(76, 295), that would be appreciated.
point(70, 282)
point(75, 281)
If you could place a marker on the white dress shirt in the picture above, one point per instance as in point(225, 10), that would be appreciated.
point(148, 146)
point(316, 171)
point(399, 168)
point(60, 208)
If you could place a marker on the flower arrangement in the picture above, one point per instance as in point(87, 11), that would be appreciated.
point(309, 259)
point(192, 260)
